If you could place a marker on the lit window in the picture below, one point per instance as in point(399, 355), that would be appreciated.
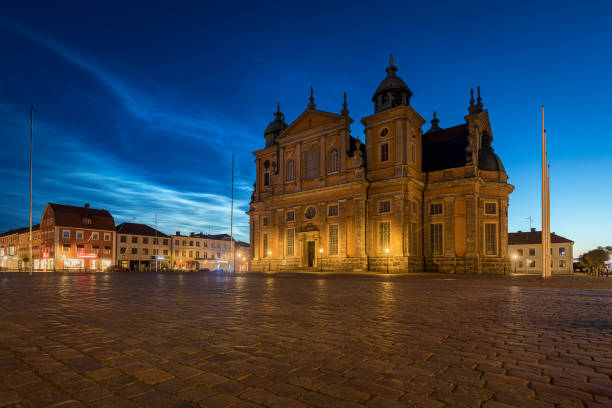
point(332, 211)
point(66, 248)
point(333, 161)
point(290, 170)
point(384, 236)
point(95, 236)
point(79, 234)
point(384, 152)
point(531, 251)
point(561, 251)
point(519, 252)
point(384, 206)
point(333, 239)
point(107, 250)
point(490, 208)
point(191, 254)
point(290, 215)
point(436, 239)
point(562, 263)
point(531, 263)
point(290, 242)
point(435, 209)
point(490, 239)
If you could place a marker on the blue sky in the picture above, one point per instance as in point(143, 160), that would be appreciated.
point(138, 107)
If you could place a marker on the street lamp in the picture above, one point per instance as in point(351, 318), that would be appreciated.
point(387, 251)
point(239, 255)
point(514, 256)
point(269, 262)
point(321, 260)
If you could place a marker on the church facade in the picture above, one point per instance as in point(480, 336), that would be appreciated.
point(403, 201)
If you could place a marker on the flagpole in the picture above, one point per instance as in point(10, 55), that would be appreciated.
point(232, 221)
point(31, 148)
point(545, 208)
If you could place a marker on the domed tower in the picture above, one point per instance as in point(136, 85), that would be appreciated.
point(275, 127)
point(487, 159)
point(392, 91)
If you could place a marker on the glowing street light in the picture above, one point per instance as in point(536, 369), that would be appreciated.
point(514, 256)
point(321, 260)
point(387, 251)
point(269, 263)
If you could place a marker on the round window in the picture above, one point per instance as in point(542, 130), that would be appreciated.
point(310, 213)
point(384, 132)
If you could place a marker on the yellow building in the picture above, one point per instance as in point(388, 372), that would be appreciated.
point(405, 201)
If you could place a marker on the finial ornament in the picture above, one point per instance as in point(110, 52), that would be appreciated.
point(479, 104)
point(344, 110)
point(434, 123)
point(390, 59)
point(472, 108)
point(311, 105)
point(278, 107)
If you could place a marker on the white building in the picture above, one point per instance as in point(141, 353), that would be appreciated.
point(525, 250)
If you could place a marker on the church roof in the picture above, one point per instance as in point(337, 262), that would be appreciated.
point(445, 149)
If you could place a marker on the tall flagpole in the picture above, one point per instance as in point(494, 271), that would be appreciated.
point(31, 145)
point(545, 208)
point(232, 221)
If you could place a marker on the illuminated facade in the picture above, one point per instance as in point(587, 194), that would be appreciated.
point(200, 251)
point(525, 250)
point(403, 201)
point(142, 248)
point(76, 238)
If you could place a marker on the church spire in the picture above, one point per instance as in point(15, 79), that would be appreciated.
point(344, 110)
point(434, 123)
point(472, 107)
point(311, 104)
point(479, 104)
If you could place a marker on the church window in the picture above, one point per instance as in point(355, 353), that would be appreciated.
point(266, 178)
point(290, 241)
point(436, 239)
point(384, 236)
point(290, 215)
point(490, 239)
point(490, 208)
point(264, 221)
point(332, 211)
point(333, 239)
point(384, 152)
point(384, 132)
point(333, 161)
point(384, 206)
point(413, 150)
point(435, 209)
point(311, 165)
point(290, 170)
point(265, 244)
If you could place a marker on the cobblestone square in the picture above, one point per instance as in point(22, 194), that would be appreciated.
point(297, 340)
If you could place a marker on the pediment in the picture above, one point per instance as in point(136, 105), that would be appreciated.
point(311, 120)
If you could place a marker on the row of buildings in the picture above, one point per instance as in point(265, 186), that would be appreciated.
point(406, 200)
point(84, 238)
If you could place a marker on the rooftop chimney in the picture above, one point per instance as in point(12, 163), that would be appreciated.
point(532, 229)
point(178, 232)
point(87, 205)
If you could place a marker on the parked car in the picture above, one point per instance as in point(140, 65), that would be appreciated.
point(117, 268)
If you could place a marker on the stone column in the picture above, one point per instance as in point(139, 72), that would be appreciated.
point(449, 226)
point(298, 166)
point(342, 228)
point(322, 160)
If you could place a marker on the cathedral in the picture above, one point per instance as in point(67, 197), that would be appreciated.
point(403, 201)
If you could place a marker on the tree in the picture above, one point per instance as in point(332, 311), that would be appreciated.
point(595, 258)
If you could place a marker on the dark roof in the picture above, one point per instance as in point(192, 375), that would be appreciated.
point(20, 230)
point(488, 160)
point(533, 237)
point(138, 229)
point(445, 149)
point(71, 216)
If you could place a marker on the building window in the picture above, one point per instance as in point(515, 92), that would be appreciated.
point(123, 239)
point(413, 239)
point(145, 251)
point(384, 152)
point(184, 243)
point(435, 237)
point(414, 206)
point(384, 132)
point(490, 208)
point(134, 240)
point(86, 221)
point(264, 221)
point(79, 234)
point(519, 252)
point(311, 165)
point(191, 254)
point(290, 170)
point(265, 244)
point(290, 242)
point(65, 248)
point(332, 211)
point(197, 243)
point(205, 244)
point(413, 150)
point(219, 255)
point(165, 252)
point(107, 236)
point(561, 251)
point(165, 242)
point(333, 161)
point(145, 240)
point(122, 250)
point(95, 236)
point(490, 239)
point(520, 265)
point(531, 263)
point(177, 242)
point(311, 212)
point(197, 254)
point(190, 243)
point(333, 239)
point(176, 252)
point(134, 251)
point(435, 209)
point(267, 178)
point(384, 206)
point(290, 215)
point(384, 236)
point(531, 251)
point(562, 263)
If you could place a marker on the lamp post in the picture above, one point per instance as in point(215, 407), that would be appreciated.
point(387, 251)
point(239, 256)
point(321, 260)
point(269, 262)
point(514, 257)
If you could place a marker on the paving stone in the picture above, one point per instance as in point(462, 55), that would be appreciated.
point(153, 376)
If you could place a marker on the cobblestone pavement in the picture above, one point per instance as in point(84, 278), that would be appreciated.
point(282, 340)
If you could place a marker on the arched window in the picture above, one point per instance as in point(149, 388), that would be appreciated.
point(333, 161)
point(290, 170)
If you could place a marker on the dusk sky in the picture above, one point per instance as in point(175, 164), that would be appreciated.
point(138, 108)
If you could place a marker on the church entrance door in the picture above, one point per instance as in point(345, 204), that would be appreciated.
point(311, 253)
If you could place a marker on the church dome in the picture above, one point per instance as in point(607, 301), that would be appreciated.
point(392, 91)
point(489, 161)
point(275, 127)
